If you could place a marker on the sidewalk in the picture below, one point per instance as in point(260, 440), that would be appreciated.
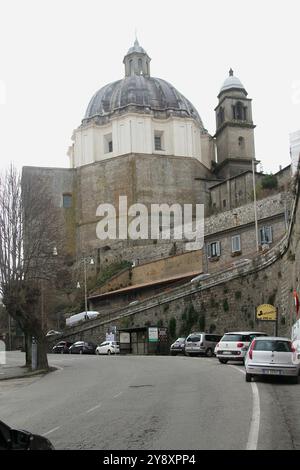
point(18, 372)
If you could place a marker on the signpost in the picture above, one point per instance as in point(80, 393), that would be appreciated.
point(153, 334)
point(267, 312)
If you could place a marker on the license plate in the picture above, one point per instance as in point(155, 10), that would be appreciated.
point(271, 372)
point(227, 352)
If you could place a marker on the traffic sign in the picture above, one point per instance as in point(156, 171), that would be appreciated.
point(266, 312)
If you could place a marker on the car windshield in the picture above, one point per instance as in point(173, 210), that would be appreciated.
point(180, 340)
point(194, 339)
point(273, 345)
point(237, 337)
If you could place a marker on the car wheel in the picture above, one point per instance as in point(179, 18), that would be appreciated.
point(209, 352)
point(248, 377)
point(173, 353)
point(223, 361)
point(97, 353)
point(108, 352)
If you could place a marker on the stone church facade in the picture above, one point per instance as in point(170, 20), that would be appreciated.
point(141, 138)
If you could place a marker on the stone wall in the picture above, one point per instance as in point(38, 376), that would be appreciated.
point(225, 301)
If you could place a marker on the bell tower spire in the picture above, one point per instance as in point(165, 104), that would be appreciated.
point(235, 128)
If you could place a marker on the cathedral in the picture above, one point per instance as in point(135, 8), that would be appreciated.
point(141, 138)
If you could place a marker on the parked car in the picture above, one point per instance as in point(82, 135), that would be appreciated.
point(201, 277)
point(178, 346)
point(16, 439)
point(82, 316)
point(234, 345)
point(82, 347)
point(271, 355)
point(201, 344)
point(53, 332)
point(108, 347)
point(62, 347)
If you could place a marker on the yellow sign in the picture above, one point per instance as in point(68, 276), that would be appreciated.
point(266, 312)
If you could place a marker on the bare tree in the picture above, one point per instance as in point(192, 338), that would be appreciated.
point(29, 236)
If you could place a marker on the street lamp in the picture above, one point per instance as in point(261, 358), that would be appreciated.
point(85, 261)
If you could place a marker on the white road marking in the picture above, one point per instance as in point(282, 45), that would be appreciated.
point(51, 430)
point(255, 419)
point(116, 396)
point(94, 408)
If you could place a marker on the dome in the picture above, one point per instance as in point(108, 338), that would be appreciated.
point(232, 82)
point(143, 94)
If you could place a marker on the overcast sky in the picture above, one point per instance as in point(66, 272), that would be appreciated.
point(55, 54)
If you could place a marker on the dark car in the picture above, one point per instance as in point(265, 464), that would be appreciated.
point(16, 439)
point(62, 347)
point(83, 347)
point(178, 346)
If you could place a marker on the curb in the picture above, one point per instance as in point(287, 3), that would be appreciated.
point(30, 374)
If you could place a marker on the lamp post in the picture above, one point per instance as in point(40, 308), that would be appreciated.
point(255, 205)
point(85, 261)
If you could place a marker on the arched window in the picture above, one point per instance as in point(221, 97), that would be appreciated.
point(239, 111)
point(131, 67)
point(220, 116)
point(140, 65)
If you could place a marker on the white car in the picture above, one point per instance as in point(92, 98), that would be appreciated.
point(108, 347)
point(272, 355)
point(234, 345)
point(53, 332)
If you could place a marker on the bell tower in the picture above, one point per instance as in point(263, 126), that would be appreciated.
point(234, 129)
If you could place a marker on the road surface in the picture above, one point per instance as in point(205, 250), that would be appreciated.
point(149, 402)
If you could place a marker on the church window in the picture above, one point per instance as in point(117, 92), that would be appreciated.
point(131, 67)
point(67, 201)
point(224, 202)
point(158, 140)
point(245, 113)
point(241, 142)
point(221, 116)
point(140, 66)
point(108, 143)
point(239, 111)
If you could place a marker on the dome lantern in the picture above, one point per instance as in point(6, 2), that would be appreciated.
point(137, 61)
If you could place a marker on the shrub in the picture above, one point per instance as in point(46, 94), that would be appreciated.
point(202, 322)
point(269, 182)
point(172, 327)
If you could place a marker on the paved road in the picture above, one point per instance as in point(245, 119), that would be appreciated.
point(145, 402)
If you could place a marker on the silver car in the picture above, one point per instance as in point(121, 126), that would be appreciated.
point(201, 344)
point(272, 355)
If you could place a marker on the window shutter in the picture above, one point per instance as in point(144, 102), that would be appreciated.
point(236, 243)
point(270, 234)
point(208, 250)
point(218, 248)
point(261, 236)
